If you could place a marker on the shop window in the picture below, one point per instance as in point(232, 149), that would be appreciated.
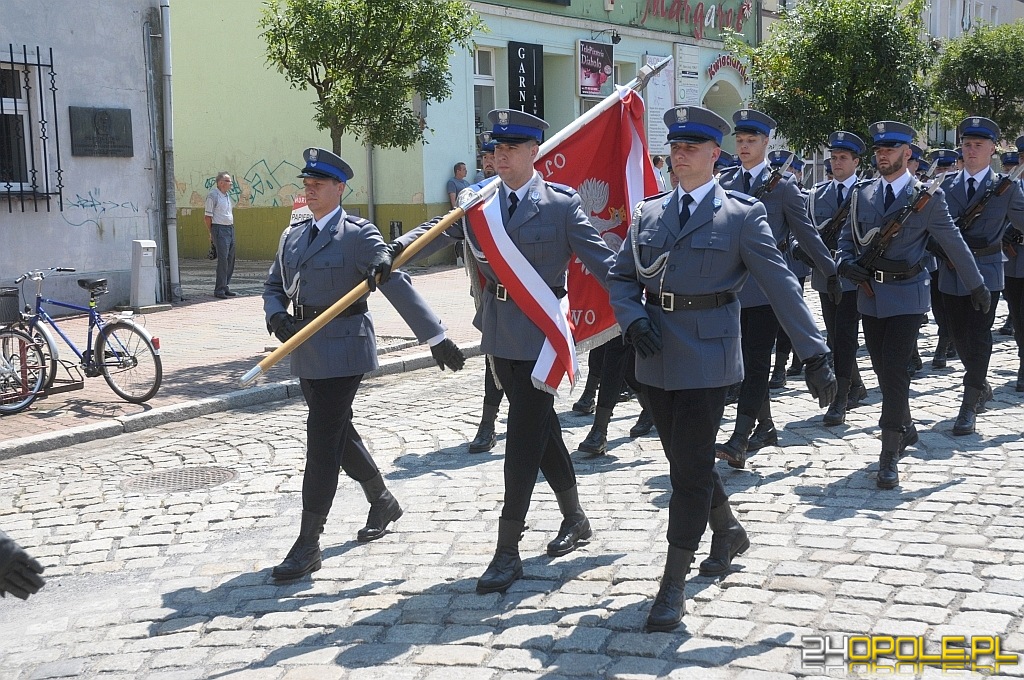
point(483, 87)
point(30, 170)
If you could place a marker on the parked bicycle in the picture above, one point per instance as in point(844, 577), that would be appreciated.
point(22, 370)
point(124, 352)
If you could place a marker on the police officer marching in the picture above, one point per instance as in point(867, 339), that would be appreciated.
point(1013, 246)
point(318, 261)
point(972, 189)
point(675, 292)
point(827, 204)
point(893, 291)
point(787, 216)
point(543, 224)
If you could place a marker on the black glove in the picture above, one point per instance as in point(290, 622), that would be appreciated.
point(835, 289)
point(379, 265)
point(981, 299)
point(282, 324)
point(799, 254)
point(447, 353)
point(820, 381)
point(19, 572)
point(853, 271)
point(1010, 236)
point(645, 338)
point(212, 255)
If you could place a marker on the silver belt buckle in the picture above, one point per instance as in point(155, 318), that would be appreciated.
point(879, 276)
point(668, 302)
point(298, 312)
point(500, 292)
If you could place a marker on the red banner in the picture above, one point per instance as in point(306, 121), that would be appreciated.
point(607, 163)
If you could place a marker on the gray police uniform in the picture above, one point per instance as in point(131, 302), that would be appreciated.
point(1013, 247)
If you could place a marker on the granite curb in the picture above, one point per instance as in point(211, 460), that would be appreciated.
point(174, 413)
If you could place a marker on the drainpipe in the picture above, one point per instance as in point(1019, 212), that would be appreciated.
point(170, 206)
point(371, 209)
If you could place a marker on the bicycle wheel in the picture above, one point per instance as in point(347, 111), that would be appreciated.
point(129, 362)
point(46, 344)
point(22, 371)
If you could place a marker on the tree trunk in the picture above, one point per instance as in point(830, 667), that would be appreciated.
point(336, 132)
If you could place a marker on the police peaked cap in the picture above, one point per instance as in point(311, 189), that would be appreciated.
point(976, 126)
point(841, 139)
point(943, 157)
point(779, 157)
point(511, 126)
point(891, 133)
point(749, 120)
point(695, 124)
point(322, 164)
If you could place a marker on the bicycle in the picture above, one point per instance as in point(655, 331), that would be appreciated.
point(124, 353)
point(22, 370)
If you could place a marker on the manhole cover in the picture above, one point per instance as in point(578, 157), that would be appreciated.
point(180, 479)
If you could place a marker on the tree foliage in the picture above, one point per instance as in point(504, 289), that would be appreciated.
point(367, 60)
point(840, 64)
point(980, 74)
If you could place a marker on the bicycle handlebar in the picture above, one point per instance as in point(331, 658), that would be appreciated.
point(40, 274)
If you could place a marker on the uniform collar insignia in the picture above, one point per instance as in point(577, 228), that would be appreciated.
point(716, 202)
point(535, 195)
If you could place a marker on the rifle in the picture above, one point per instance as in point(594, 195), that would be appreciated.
point(773, 179)
point(974, 212)
point(830, 230)
point(869, 257)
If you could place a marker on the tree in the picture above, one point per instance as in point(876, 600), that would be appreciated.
point(979, 74)
point(840, 65)
point(368, 60)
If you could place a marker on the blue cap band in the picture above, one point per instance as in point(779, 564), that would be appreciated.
point(893, 137)
point(753, 126)
point(978, 132)
point(849, 145)
point(690, 129)
point(503, 131)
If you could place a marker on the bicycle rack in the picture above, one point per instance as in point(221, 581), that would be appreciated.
point(68, 379)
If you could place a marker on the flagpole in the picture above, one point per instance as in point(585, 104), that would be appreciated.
point(467, 199)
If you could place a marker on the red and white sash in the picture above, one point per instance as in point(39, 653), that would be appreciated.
point(532, 295)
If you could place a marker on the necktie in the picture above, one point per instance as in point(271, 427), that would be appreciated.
point(890, 197)
point(313, 231)
point(684, 211)
point(513, 202)
point(970, 189)
point(747, 181)
point(841, 191)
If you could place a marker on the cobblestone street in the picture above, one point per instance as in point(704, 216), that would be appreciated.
point(176, 584)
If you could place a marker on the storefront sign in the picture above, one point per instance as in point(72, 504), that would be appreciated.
point(526, 78)
point(659, 98)
point(700, 17)
point(727, 61)
point(596, 68)
point(686, 59)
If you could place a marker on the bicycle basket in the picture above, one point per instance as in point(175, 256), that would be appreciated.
point(9, 312)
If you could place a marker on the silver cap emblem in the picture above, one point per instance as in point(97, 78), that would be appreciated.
point(313, 153)
point(503, 118)
point(744, 114)
point(681, 115)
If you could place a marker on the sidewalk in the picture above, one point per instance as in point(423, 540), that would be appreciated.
point(207, 344)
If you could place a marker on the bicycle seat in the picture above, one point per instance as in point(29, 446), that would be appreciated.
point(95, 286)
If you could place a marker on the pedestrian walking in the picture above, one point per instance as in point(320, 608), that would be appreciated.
point(220, 222)
point(319, 260)
point(675, 291)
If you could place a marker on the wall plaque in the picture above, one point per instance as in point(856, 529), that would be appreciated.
point(100, 132)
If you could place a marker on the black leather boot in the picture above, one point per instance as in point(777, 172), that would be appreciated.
point(304, 557)
point(732, 395)
point(670, 604)
point(915, 364)
point(858, 391)
point(765, 433)
point(967, 418)
point(485, 437)
point(384, 509)
point(645, 423)
point(888, 473)
point(909, 438)
point(778, 379)
point(596, 442)
point(575, 525)
point(1007, 327)
point(1020, 379)
point(796, 367)
point(939, 357)
point(986, 396)
point(585, 404)
point(728, 539)
point(505, 567)
point(734, 451)
point(836, 414)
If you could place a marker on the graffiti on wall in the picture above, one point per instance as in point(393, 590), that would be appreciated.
point(91, 208)
point(263, 184)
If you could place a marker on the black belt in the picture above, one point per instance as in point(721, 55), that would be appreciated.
point(307, 312)
point(889, 277)
point(987, 250)
point(1015, 238)
point(671, 302)
point(501, 293)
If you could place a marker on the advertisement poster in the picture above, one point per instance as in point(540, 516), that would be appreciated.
point(526, 78)
point(659, 99)
point(687, 64)
point(596, 69)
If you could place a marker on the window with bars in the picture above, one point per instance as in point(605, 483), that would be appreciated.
point(31, 177)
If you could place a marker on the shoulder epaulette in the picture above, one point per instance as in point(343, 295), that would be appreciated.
point(822, 184)
point(562, 188)
point(864, 182)
point(651, 198)
point(740, 196)
point(300, 222)
point(358, 221)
